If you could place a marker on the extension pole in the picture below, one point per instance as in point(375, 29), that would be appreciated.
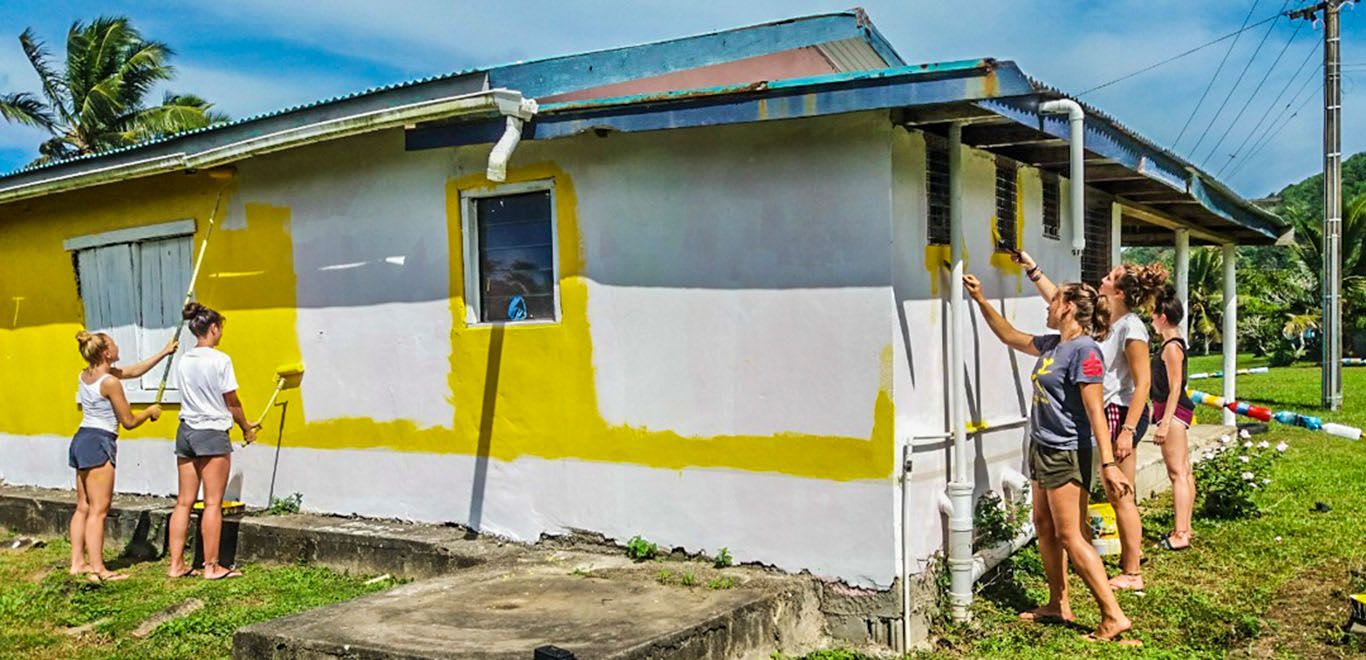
point(189, 292)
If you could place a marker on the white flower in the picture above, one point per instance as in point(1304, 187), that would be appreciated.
point(1266, 481)
point(1282, 447)
point(1248, 476)
point(1253, 484)
point(1263, 444)
point(1225, 439)
point(1244, 459)
point(1278, 539)
point(1247, 445)
point(1242, 433)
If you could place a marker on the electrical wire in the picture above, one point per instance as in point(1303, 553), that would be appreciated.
point(1280, 120)
point(1215, 77)
point(1239, 81)
point(1271, 106)
point(1271, 135)
point(1181, 55)
point(1253, 97)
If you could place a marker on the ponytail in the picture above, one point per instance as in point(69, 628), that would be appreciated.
point(201, 318)
point(93, 346)
point(1091, 310)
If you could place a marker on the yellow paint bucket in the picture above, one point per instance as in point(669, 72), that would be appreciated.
point(230, 507)
point(1104, 529)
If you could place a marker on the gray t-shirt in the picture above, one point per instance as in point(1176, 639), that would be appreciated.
point(1058, 418)
point(1119, 380)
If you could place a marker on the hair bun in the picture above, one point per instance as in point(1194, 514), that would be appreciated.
point(191, 310)
point(83, 337)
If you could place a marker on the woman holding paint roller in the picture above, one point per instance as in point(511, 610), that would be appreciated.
point(94, 448)
point(1067, 409)
point(209, 408)
point(1174, 412)
point(1128, 377)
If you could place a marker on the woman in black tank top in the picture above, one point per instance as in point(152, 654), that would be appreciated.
point(1173, 413)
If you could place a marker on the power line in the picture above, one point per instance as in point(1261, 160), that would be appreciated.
point(1279, 113)
point(1253, 97)
point(1215, 77)
point(1239, 81)
point(1177, 57)
point(1270, 136)
point(1271, 106)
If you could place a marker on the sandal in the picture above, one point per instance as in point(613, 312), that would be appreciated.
point(107, 576)
point(1166, 544)
point(189, 572)
point(232, 573)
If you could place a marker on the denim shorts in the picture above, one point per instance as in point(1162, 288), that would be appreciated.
point(201, 443)
point(91, 448)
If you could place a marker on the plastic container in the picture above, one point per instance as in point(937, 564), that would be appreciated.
point(1104, 529)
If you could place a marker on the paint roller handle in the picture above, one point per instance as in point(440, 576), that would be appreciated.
point(166, 371)
point(256, 425)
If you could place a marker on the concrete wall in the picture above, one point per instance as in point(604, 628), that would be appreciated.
point(720, 376)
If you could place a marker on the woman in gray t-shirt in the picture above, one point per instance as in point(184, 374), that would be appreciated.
point(1067, 410)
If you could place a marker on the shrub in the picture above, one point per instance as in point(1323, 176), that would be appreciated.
point(723, 558)
point(639, 549)
point(280, 506)
point(1228, 474)
point(992, 523)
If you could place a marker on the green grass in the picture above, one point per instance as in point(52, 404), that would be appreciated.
point(39, 602)
point(1271, 586)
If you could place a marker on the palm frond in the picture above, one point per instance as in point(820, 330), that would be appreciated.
point(25, 108)
point(176, 114)
point(54, 88)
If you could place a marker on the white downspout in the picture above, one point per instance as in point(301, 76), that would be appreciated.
point(517, 114)
point(960, 484)
point(1076, 119)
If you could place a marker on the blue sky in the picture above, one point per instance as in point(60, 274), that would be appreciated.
point(251, 56)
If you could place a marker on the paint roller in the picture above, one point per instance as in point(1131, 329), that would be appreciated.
point(287, 377)
point(225, 173)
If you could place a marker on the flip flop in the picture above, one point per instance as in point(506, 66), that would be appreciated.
point(1166, 544)
point(189, 572)
point(1092, 638)
point(109, 576)
point(232, 573)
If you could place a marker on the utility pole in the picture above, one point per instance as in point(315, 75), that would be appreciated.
point(1332, 197)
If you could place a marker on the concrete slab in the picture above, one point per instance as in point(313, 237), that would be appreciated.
point(610, 610)
point(1150, 476)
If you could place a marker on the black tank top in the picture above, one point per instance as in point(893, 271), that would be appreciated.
point(1161, 388)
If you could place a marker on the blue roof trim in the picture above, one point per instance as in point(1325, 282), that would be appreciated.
point(533, 78)
point(788, 99)
point(575, 72)
point(1228, 205)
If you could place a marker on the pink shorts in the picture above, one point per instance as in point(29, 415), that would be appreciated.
point(1183, 414)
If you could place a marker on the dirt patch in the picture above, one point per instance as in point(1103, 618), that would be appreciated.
point(1306, 616)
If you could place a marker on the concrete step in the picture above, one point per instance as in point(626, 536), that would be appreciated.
point(136, 526)
point(610, 609)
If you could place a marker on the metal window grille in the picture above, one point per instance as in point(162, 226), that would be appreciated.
point(937, 189)
point(1095, 259)
point(1051, 216)
point(1005, 204)
point(516, 257)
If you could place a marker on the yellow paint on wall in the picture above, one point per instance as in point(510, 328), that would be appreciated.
point(1000, 259)
point(517, 390)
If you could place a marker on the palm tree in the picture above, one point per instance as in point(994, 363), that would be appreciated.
point(1206, 296)
point(97, 102)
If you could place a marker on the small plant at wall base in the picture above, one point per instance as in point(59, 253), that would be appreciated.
point(1228, 474)
point(640, 550)
point(280, 506)
point(992, 522)
point(723, 559)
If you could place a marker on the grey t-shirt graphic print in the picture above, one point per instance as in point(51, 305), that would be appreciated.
point(1058, 418)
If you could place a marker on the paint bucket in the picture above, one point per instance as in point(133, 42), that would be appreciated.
point(1357, 622)
point(1104, 529)
point(230, 507)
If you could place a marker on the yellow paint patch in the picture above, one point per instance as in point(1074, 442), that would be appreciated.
point(518, 390)
point(1000, 259)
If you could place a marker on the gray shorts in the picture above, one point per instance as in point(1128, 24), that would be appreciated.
point(201, 443)
point(91, 448)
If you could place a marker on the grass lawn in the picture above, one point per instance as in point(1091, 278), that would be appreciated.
point(1270, 586)
point(42, 608)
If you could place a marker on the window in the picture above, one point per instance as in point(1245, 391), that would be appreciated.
point(1095, 259)
point(937, 188)
point(131, 283)
point(1005, 204)
point(511, 234)
point(1051, 215)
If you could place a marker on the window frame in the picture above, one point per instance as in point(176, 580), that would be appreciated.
point(934, 143)
point(469, 233)
point(133, 237)
point(1051, 181)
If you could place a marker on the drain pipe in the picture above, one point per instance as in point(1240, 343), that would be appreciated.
point(959, 496)
point(1016, 488)
point(1076, 119)
point(517, 113)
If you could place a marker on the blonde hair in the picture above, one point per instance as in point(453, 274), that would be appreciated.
point(1092, 311)
point(1140, 284)
point(93, 346)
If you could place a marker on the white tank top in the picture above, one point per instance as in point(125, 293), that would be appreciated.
point(99, 412)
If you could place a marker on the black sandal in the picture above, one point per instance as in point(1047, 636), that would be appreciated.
point(1166, 544)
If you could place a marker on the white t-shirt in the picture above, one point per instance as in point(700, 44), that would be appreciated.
point(205, 376)
point(1119, 382)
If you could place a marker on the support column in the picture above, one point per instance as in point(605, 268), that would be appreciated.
point(1183, 277)
point(1230, 330)
point(1116, 233)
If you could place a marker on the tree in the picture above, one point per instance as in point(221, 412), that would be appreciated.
point(1206, 296)
point(97, 101)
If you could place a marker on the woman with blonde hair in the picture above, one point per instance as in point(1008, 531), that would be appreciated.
point(1067, 410)
point(94, 449)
